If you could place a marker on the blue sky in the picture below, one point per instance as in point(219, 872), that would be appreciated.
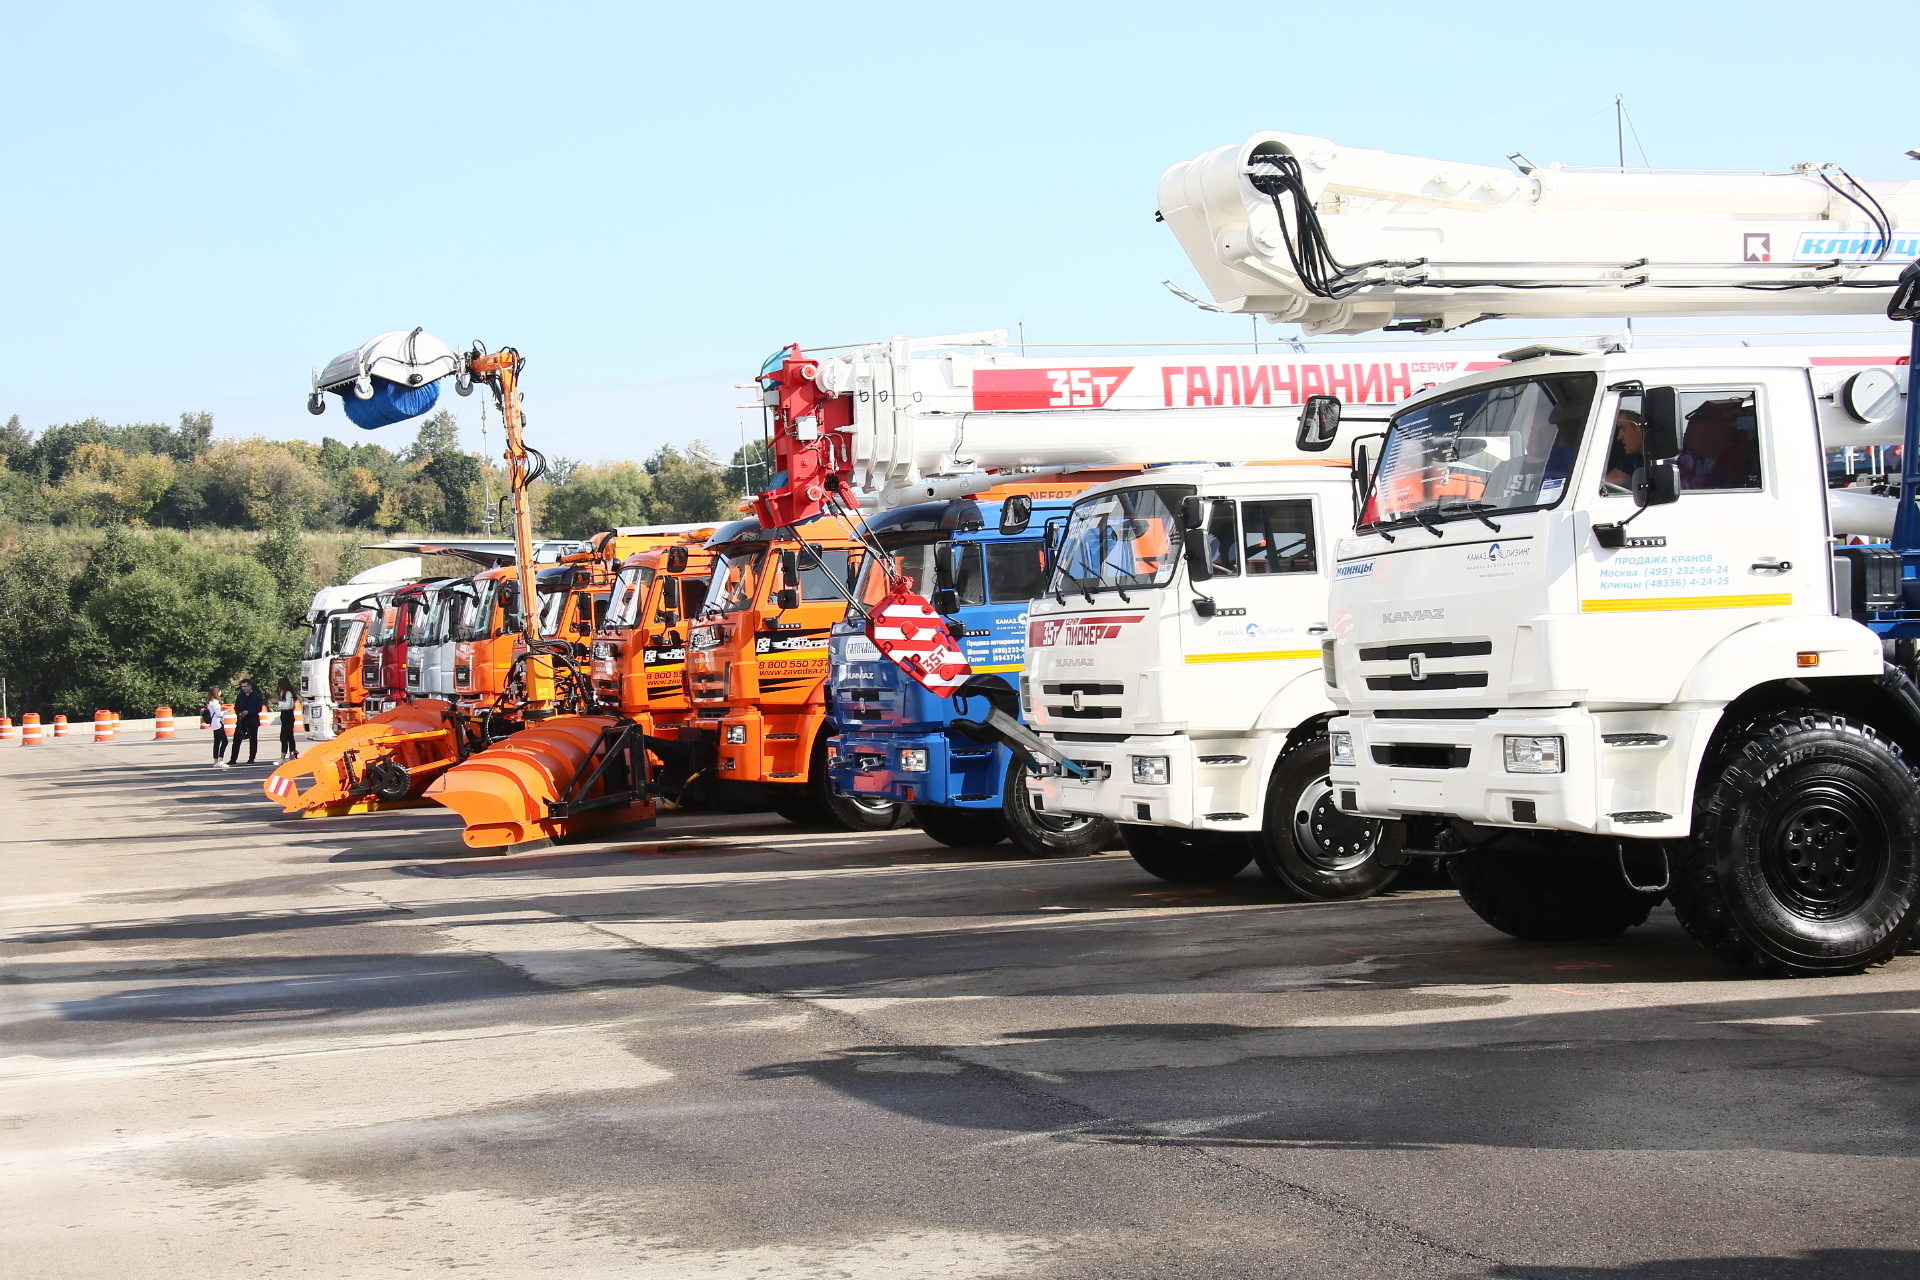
point(204, 201)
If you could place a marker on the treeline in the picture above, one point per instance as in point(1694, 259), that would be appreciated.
point(129, 578)
point(149, 475)
point(125, 619)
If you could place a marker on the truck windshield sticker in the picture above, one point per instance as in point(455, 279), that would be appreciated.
point(1077, 631)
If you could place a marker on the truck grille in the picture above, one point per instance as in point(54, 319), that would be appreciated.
point(1085, 713)
point(1421, 755)
point(1428, 649)
point(1435, 680)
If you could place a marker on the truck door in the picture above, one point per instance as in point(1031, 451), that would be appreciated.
point(1745, 542)
point(1269, 587)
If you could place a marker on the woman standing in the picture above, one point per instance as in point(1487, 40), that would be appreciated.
point(283, 703)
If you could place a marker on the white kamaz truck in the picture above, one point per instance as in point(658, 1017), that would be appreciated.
point(1596, 641)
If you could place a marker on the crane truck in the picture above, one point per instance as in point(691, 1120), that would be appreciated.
point(1211, 694)
point(1594, 639)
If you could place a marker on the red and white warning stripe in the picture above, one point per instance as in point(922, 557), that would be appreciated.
point(279, 785)
point(905, 628)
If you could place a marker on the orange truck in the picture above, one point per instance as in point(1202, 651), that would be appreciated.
point(756, 676)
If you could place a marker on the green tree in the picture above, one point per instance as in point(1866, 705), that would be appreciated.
point(457, 475)
point(285, 559)
point(689, 487)
point(598, 498)
point(752, 466)
point(439, 433)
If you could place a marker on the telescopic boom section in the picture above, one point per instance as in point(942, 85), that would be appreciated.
point(1346, 239)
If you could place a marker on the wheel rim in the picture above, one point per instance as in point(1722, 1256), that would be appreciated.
point(1061, 824)
point(877, 808)
point(1823, 852)
point(1327, 836)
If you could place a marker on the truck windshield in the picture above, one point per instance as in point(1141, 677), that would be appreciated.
point(429, 618)
point(392, 625)
point(316, 642)
point(733, 579)
point(1506, 447)
point(345, 640)
point(629, 593)
point(553, 610)
point(1120, 541)
point(915, 564)
point(473, 614)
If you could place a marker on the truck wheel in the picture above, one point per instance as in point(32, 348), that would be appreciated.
point(1806, 856)
point(1187, 857)
point(1309, 845)
point(960, 828)
point(1551, 896)
point(859, 814)
point(1049, 835)
point(389, 780)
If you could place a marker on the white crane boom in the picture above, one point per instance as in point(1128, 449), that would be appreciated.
point(1346, 240)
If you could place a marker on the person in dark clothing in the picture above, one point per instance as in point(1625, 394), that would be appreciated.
point(246, 713)
point(283, 703)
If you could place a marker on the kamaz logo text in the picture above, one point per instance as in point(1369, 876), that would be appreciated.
point(1414, 615)
point(1074, 631)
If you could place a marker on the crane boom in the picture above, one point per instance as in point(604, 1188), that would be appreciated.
point(1346, 240)
point(897, 422)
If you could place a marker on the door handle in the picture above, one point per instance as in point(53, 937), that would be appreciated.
point(1317, 631)
point(1772, 566)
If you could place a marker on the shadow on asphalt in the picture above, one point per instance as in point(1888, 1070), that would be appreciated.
point(1821, 1264)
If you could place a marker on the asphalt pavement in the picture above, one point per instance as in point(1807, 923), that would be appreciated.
point(730, 1048)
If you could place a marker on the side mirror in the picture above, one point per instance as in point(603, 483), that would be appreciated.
point(1657, 483)
point(946, 574)
point(670, 602)
point(945, 601)
point(676, 559)
point(787, 598)
point(1319, 424)
point(790, 569)
point(1193, 536)
point(1660, 406)
point(1016, 513)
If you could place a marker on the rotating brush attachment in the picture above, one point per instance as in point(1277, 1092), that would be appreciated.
point(389, 403)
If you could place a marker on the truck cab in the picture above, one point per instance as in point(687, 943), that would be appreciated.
point(1175, 658)
point(430, 640)
point(486, 624)
point(981, 561)
point(1596, 645)
point(384, 664)
point(640, 648)
point(756, 673)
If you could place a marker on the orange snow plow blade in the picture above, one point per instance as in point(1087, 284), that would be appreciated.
point(554, 779)
point(390, 758)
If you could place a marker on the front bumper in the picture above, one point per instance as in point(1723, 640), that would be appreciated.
point(1213, 784)
point(1624, 773)
point(960, 773)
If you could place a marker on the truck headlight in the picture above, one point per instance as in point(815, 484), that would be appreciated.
point(1536, 755)
point(1340, 748)
point(1151, 771)
point(913, 760)
point(1327, 665)
point(736, 735)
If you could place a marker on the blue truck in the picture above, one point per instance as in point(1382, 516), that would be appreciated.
point(979, 563)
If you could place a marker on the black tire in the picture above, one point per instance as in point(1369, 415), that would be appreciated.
point(961, 828)
point(1187, 857)
point(389, 780)
point(849, 813)
point(1049, 835)
point(1806, 852)
point(1312, 848)
point(1551, 895)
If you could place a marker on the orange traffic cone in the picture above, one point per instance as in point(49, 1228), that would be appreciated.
point(59, 726)
point(103, 726)
point(6, 728)
point(30, 729)
point(163, 722)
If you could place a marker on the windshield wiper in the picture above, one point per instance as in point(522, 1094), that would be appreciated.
point(1468, 507)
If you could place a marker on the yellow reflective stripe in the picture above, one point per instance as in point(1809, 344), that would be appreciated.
point(1647, 603)
point(1004, 666)
point(1270, 655)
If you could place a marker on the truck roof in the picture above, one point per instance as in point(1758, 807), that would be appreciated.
point(1214, 478)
